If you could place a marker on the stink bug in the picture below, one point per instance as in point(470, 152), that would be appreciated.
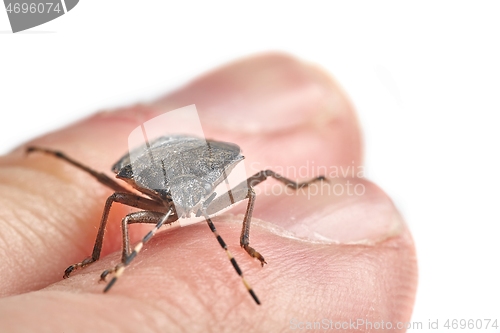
point(176, 177)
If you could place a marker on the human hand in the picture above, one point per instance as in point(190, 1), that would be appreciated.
point(336, 257)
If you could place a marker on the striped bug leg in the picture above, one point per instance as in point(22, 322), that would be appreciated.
point(139, 217)
point(232, 259)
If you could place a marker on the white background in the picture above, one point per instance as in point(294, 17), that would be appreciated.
point(425, 79)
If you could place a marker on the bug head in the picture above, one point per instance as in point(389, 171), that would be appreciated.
point(188, 193)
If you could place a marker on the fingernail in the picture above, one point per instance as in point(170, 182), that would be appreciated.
point(344, 210)
point(259, 94)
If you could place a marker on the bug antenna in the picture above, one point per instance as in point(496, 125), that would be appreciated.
point(118, 270)
point(232, 259)
point(228, 186)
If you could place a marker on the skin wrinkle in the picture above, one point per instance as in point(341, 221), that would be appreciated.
point(221, 261)
point(31, 174)
point(3, 239)
point(282, 232)
point(198, 298)
point(28, 235)
point(11, 261)
point(34, 235)
point(20, 231)
point(84, 201)
point(151, 312)
point(28, 225)
point(179, 306)
point(154, 314)
point(132, 115)
point(130, 302)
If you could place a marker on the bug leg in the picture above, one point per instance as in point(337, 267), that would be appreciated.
point(140, 217)
point(244, 191)
point(261, 176)
point(231, 258)
point(251, 182)
point(126, 260)
point(99, 176)
point(132, 218)
point(245, 230)
point(128, 199)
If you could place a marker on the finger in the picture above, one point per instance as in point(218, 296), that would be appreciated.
point(281, 111)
